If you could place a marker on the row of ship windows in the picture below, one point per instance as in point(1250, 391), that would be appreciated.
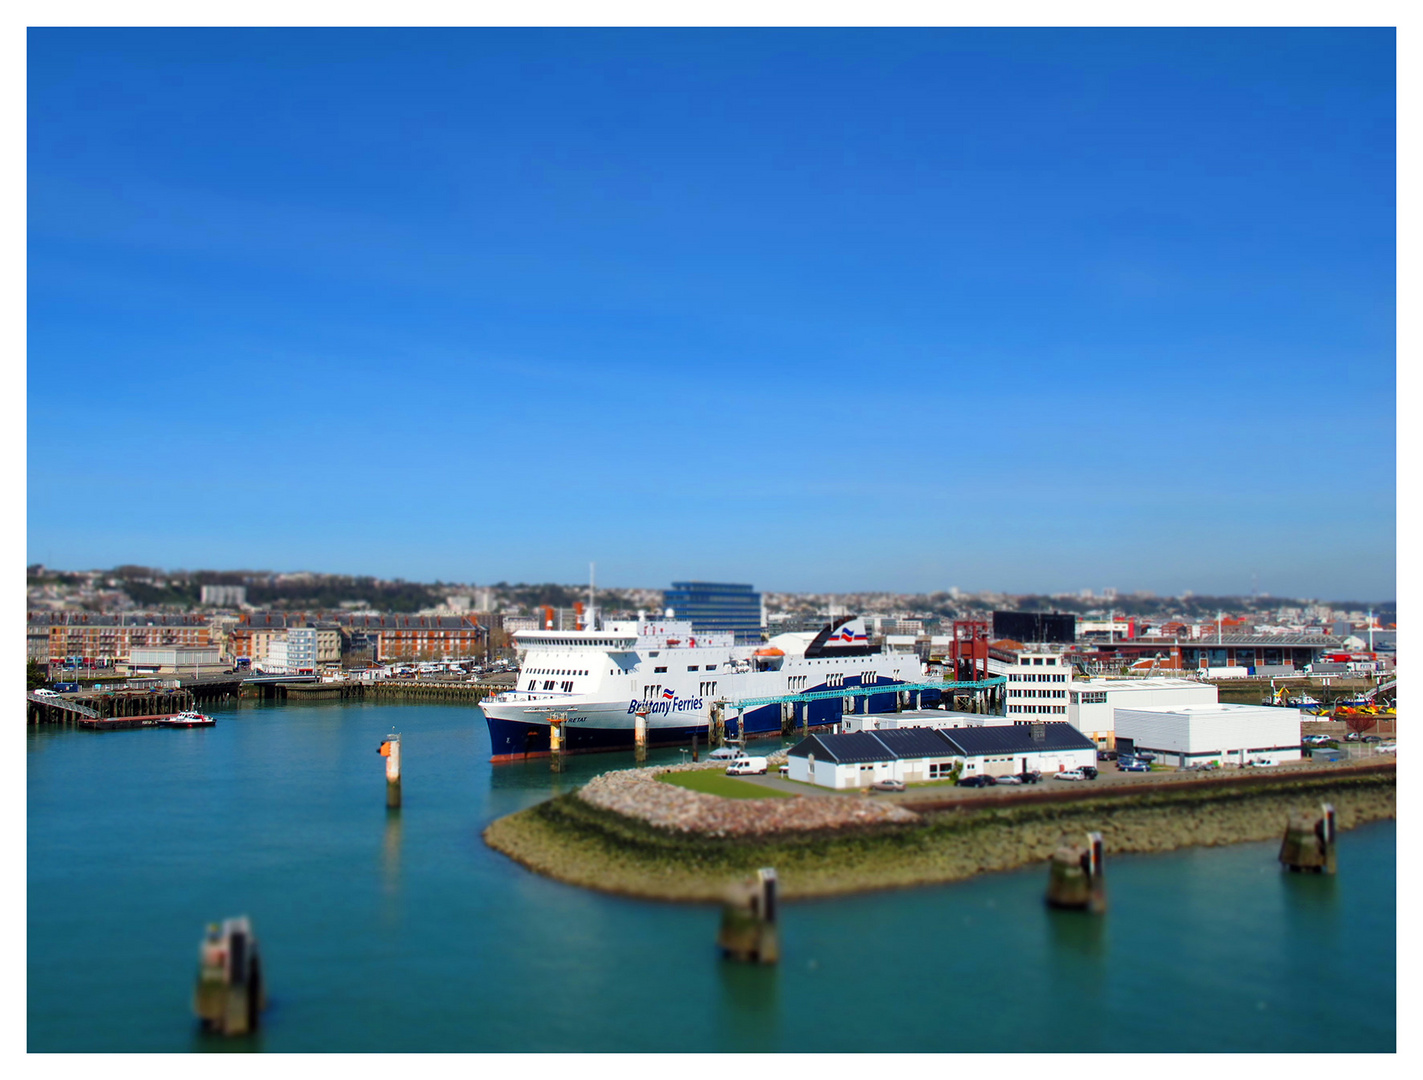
point(1037, 693)
point(547, 671)
point(1045, 677)
point(1037, 708)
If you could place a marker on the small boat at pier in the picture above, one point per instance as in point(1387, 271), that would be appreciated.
point(190, 718)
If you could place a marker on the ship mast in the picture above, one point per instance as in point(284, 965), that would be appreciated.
point(591, 622)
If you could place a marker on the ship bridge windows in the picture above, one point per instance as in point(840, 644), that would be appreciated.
point(659, 671)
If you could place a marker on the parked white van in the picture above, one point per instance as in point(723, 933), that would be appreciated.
point(747, 766)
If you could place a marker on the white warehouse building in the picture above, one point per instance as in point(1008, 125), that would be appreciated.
point(1223, 733)
point(913, 755)
point(1092, 703)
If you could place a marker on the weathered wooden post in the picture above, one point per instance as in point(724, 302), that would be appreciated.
point(694, 747)
point(230, 993)
point(1075, 880)
point(390, 750)
point(1309, 842)
point(555, 743)
point(748, 920)
point(639, 736)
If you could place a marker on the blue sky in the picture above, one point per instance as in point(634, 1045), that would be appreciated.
point(816, 309)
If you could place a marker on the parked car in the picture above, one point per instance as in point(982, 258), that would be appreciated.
point(1353, 736)
point(976, 781)
point(1386, 748)
point(1033, 777)
point(1132, 765)
point(45, 691)
point(1070, 774)
point(1006, 780)
point(1144, 755)
point(888, 785)
point(784, 770)
point(1106, 755)
point(1371, 738)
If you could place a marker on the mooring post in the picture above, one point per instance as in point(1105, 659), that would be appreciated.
point(748, 920)
point(694, 747)
point(1309, 842)
point(1075, 879)
point(555, 743)
point(230, 992)
point(639, 736)
point(390, 750)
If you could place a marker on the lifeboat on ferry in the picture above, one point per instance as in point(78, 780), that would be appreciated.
point(768, 658)
point(674, 641)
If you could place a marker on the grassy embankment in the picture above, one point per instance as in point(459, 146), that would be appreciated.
point(718, 783)
point(565, 838)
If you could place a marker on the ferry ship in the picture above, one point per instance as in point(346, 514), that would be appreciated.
point(600, 679)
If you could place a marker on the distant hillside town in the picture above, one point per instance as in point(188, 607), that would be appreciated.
point(133, 619)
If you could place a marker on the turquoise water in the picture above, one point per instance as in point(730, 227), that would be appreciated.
point(405, 933)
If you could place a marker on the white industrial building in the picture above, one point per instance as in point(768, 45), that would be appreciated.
point(1223, 733)
point(918, 718)
point(912, 755)
point(1037, 684)
point(1091, 703)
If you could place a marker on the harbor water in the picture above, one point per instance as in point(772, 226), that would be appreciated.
point(403, 932)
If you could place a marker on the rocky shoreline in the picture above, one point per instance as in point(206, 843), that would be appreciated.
point(638, 794)
point(623, 835)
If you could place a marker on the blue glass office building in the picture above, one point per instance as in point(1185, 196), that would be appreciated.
point(713, 607)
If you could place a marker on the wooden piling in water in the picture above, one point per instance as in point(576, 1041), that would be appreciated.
point(748, 920)
point(1308, 845)
point(639, 736)
point(390, 750)
point(230, 993)
point(555, 743)
point(1075, 879)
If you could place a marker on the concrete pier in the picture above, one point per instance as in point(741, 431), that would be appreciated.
point(748, 920)
point(1075, 879)
point(1308, 845)
point(230, 994)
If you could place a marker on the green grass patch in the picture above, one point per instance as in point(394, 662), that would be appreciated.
point(712, 782)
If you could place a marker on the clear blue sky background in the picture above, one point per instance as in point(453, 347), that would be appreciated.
point(829, 310)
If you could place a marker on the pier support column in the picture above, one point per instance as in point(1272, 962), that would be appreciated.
point(639, 736)
point(230, 993)
point(1309, 842)
point(555, 743)
point(748, 920)
point(1075, 879)
point(390, 750)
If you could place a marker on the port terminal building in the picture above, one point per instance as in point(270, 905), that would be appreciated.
point(1229, 650)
